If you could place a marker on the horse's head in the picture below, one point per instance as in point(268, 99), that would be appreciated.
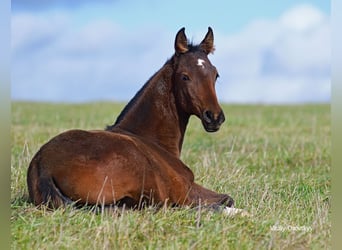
point(194, 80)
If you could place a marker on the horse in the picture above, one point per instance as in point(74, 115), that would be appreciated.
point(136, 161)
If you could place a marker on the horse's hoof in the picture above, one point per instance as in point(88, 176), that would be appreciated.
point(228, 201)
point(231, 211)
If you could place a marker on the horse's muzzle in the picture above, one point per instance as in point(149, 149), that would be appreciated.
point(212, 122)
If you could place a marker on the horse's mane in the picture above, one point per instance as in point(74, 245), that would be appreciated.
point(191, 48)
point(133, 101)
point(129, 106)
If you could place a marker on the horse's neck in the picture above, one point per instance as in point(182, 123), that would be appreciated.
point(153, 114)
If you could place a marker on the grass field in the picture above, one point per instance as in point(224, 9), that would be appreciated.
point(273, 160)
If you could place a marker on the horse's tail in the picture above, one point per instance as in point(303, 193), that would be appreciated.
point(42, 189)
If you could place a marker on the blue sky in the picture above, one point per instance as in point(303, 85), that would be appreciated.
point(266, 51)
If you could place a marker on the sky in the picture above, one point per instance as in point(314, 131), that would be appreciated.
point(270, 52)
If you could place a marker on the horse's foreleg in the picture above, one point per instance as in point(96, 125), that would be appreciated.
point(199, 195)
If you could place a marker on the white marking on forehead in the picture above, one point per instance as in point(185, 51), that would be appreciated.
point(200, 62)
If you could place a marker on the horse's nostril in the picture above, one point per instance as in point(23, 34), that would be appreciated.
point(208, 116)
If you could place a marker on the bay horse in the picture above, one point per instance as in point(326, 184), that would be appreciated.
point(136, 161)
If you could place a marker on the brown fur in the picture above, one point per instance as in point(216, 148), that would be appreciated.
point(135, 162)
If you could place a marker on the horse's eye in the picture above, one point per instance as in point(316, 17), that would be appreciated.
point(185, 77)
point(217, 76)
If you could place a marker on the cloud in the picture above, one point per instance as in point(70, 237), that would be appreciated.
point(302, 18)
point(281, 61)
point(269, 61)
point(100, 60)
point(31, 32)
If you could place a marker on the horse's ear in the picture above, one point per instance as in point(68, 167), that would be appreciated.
point(181, 42)
point(207, 45)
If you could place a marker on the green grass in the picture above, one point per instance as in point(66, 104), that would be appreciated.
point(273, 160)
